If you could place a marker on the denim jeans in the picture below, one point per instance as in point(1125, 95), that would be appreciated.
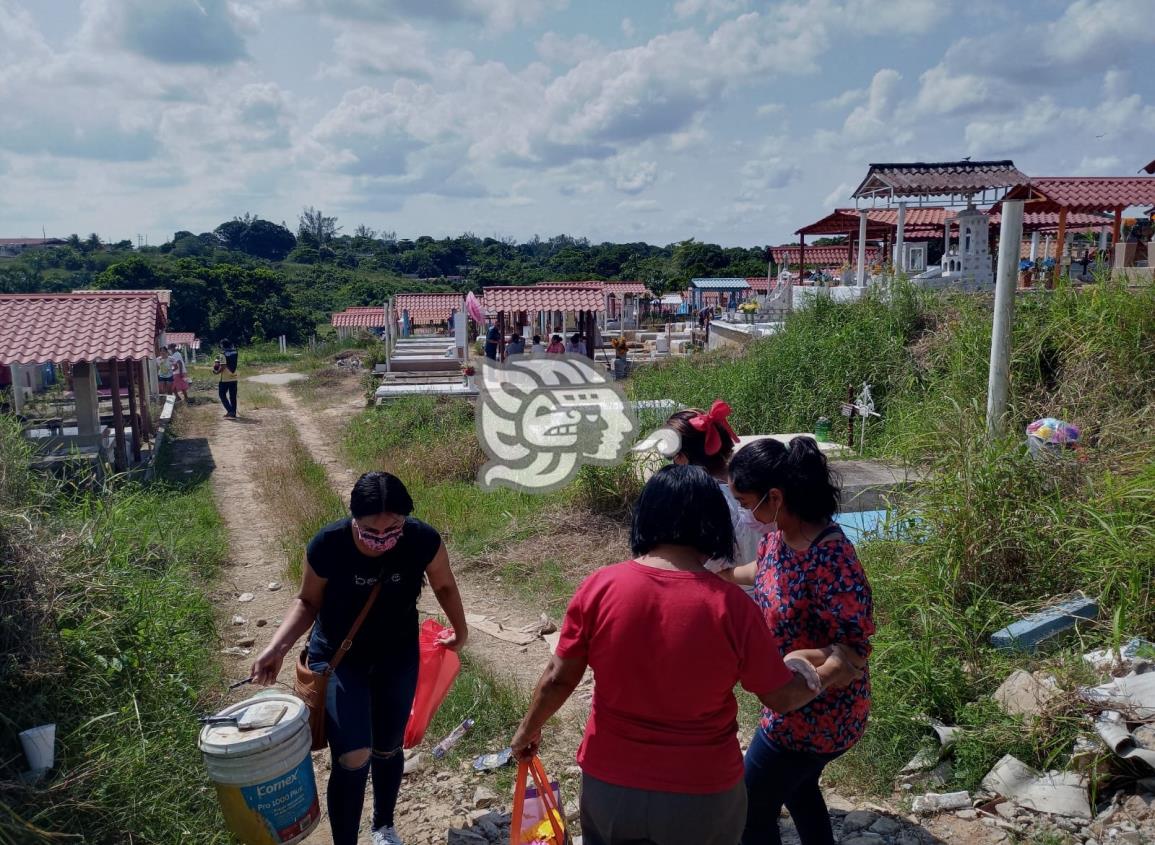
point(227, 390)
point(775, 777)
point(367, 706)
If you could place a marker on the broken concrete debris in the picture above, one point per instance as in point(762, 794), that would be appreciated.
point(497, 630)
point(1139, 744)
point(1132, 695)
point(933, 802)
point(1055, 793)
point(1028, 633)
point(1120, 659)
point(1026, 694)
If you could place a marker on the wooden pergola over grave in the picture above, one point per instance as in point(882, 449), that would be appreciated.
point(1067, 195)
point(115, 331)
point(942, 183)
point(881, 224)
point(513, 304)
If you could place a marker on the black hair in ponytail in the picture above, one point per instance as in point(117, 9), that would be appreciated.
point(810, 488)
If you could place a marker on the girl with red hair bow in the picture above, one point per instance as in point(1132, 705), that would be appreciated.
point(707, 441)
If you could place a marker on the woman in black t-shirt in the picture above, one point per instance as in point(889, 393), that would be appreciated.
point(371, 692)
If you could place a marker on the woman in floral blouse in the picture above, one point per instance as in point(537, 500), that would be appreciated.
point(816, 599)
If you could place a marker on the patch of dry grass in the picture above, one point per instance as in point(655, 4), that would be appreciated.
point(296, 490)
point(546, 567)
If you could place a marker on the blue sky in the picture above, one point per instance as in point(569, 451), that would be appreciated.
point(734, 121)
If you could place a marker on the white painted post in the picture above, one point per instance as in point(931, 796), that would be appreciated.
point(1034, 246)
point(900, 240)
point(860, 278)
point(87, 404)
point(945, 243)
point(17, 372)
point(1103, 243)
point(998, 382)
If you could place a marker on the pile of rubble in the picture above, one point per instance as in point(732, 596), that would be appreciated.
point(1119, 743)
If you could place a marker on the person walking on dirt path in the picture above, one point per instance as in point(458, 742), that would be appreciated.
point(668, 641)
point(370, 693)
point(179, 371)
point(225, 366)
point(164, 372)
point(707, 441)
point(816, 600)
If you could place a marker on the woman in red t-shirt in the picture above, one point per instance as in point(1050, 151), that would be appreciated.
point(814, 596)
point(667, 641)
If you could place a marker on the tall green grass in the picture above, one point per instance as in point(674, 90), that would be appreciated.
point(109, 635)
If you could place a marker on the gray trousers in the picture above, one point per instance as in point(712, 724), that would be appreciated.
point(618, 815)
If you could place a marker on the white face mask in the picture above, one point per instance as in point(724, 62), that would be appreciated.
point(748, 521)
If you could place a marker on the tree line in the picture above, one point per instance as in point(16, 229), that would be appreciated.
point(251, 279)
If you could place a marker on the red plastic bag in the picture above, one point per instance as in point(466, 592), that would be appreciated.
point(537, 816)
point(438, 670)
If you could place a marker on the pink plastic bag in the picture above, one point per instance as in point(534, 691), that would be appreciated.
point(437, 672)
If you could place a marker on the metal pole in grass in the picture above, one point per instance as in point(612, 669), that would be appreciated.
point(1006, 279)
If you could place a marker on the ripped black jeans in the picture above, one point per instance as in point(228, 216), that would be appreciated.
point(367, 707)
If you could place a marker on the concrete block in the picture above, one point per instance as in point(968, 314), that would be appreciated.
point(1026, 634)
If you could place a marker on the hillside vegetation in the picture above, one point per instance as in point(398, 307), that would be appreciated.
point(251, 280)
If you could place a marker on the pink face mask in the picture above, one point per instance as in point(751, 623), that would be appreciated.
point(378, 542)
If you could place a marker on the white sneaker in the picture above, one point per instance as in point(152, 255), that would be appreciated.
point(386, 835)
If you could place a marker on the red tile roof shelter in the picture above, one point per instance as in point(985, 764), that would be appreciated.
point(585, 299)
point(79, 327)
point(82, 329)
point(822, 257)
point(188, 339)
point(372, 317)
point(1084, 194)
point(428, 309)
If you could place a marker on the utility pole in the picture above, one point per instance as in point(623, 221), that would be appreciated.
point(1006, 280)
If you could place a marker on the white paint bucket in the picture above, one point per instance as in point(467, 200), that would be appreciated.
point(264, 777)
point(39, 747)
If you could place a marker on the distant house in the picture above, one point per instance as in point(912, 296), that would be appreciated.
point(13, 247)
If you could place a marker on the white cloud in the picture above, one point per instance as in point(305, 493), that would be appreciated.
point(712, 9)
point(560, 50)
point(205, 32)
point(644, 206)
point(388, 50)
point(634, 177)
point(770, 171)
point(770, 108)
point(839, 197)
point(1099, 166)
point(875, 121)
point(629, 29)
point(495, 16)
point(846, 98)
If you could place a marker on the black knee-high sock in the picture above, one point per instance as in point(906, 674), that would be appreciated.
point(346, 801)
point(387, 773)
